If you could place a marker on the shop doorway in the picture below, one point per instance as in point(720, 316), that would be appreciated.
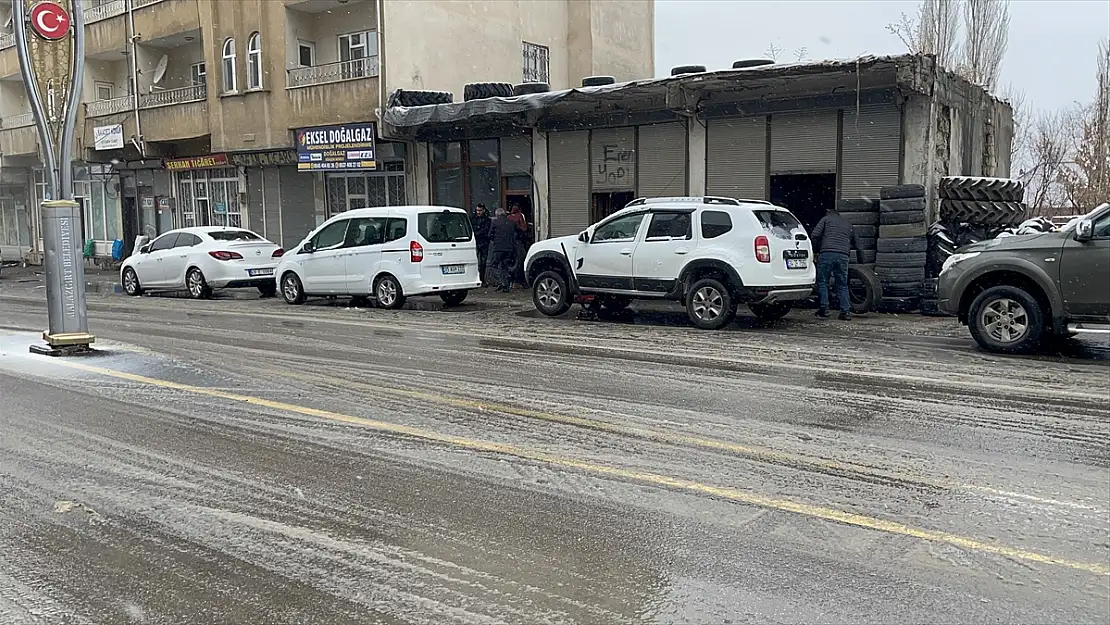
point(605, 204)
point(808, 196)
point(130, 224)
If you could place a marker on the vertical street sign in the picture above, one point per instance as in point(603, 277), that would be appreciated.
point(50, 42)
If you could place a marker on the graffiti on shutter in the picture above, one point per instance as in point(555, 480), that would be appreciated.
point(613, 159)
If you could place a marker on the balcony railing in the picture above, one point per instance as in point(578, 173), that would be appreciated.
point(7, 40)
point(143, 3)
point(167, 97)
point(332, 72)
point(105, 10)
point(17, 121)
point(108, 107)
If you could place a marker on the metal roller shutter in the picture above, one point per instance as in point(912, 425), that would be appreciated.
point(613, 159)
point(736, 153)
point(516, 155)
point(256, 208)
point(803, 142)
point(271, 203)
point(870, 151)
point(298, 204)
point(569, 182)
point(661, 156)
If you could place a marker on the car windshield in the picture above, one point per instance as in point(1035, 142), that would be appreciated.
point(234, 235)
point(780, 223)
point(444, 227)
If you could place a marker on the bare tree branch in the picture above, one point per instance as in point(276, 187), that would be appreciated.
point(986, 35)
point(932, 31)
point(773, 52)
point(800, 54)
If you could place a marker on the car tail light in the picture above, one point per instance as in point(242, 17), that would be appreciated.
point(416, 252)
point(762, 249)
point(278, 253)
point(226, 255)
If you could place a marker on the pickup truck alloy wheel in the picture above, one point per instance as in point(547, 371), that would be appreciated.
point(131, 283)
point(709, 305)
point(549, 294)
point(1006, 319)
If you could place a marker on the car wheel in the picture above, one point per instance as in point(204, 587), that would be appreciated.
point(550, 294)
point(268, 290)
point(291, 289)
point(453, 298)
point(196, 284)
point(131, 284)
point(388, 293)
point(770, 312)
point(709, 304)
point(614, 303)
point(1007, 320)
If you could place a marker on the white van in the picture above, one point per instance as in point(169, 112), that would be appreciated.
point(389, 253)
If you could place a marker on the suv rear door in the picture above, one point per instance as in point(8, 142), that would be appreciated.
point(1084, 267)
point(791, 257)
point(659, 257)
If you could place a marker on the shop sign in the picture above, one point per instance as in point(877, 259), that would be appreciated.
point(108, 137)
point(220, 208)
point(197, 162)
point(342, 147)
point(148, 203)
point(263, 159)
point(165, 203)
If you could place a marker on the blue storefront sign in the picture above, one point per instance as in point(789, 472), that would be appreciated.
point(343, 147)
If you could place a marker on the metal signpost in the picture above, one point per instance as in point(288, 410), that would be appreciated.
point(52, 63)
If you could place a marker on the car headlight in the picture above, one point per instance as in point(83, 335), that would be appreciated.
point(957, 258)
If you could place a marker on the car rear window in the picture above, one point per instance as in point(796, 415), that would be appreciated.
point(779, 223)
point(234, 235)
point(444, 227)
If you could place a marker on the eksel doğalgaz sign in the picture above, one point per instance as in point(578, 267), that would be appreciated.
point(341, 147)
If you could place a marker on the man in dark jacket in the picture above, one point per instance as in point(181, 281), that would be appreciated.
point(502, 250)
point(836, 238)
point(480, 222)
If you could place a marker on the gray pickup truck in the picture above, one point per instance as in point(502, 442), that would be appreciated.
point(1014, 293)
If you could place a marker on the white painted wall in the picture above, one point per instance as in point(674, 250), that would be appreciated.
point(696, 146)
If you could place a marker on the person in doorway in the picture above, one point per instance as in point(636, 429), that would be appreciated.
point(502, 250)
point(521, 222)
point(836, 238)
point(480, 223)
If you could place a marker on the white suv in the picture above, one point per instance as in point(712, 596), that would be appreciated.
point(389, 253)
point(711, 253)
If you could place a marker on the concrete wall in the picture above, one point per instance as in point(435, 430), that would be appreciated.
point(114, 73)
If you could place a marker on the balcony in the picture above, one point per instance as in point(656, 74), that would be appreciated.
point(7, 40)
point(169, 97)
point(355, 69)
point(105, 10)
point(17, 121)
point(101, 108)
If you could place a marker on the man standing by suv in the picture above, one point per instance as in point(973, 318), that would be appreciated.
point(836, 238)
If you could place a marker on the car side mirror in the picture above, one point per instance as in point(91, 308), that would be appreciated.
point(1084, 230)
point(584, 236)
point(145, 249)
point(308, 248)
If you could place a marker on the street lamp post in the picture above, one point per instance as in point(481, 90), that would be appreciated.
point(50, 42)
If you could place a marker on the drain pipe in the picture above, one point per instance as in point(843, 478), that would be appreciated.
point(131, 37)
point(379, 5)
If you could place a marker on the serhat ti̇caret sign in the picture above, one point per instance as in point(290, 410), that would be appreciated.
point(344, 147)
point(196, 162)
point(50, 20)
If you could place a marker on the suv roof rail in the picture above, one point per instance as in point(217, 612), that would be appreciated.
point(708, 199)
point(746, 201)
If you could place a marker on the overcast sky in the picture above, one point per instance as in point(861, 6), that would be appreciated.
point(1051, 56)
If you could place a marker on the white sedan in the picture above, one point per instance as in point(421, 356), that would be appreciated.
point(201, 259)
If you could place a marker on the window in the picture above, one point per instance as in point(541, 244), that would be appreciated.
point(396, 229)
point(234, 235)
point(164, 242)
point(198, 74)
point(466, 174)
point(331, 236)
point(668, 226)
point(354, 49)
point(306, 53)
point(443, 227)
point(229, 66)
point(209, 198)
point(536, 62)
point(185, 239)
point(781, 224)
point(714, 224)
point(1101, 227)
point(254, 62)
point(360, 190)
point(365, 231)
point(104, 90)
point(620, 229)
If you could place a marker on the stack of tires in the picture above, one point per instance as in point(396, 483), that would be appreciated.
point(863, 214)
point(901, 246)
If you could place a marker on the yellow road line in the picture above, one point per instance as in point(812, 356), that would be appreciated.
point(655, 479)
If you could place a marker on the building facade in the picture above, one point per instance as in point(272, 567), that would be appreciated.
point(193, 109)
point(801, 136)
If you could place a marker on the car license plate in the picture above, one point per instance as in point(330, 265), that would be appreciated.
point(453, 270)
point(260, 272)
point(797, 263)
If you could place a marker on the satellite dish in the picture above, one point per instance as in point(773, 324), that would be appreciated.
point(160, 70)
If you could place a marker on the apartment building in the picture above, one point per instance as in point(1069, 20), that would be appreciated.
point(193, 108)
